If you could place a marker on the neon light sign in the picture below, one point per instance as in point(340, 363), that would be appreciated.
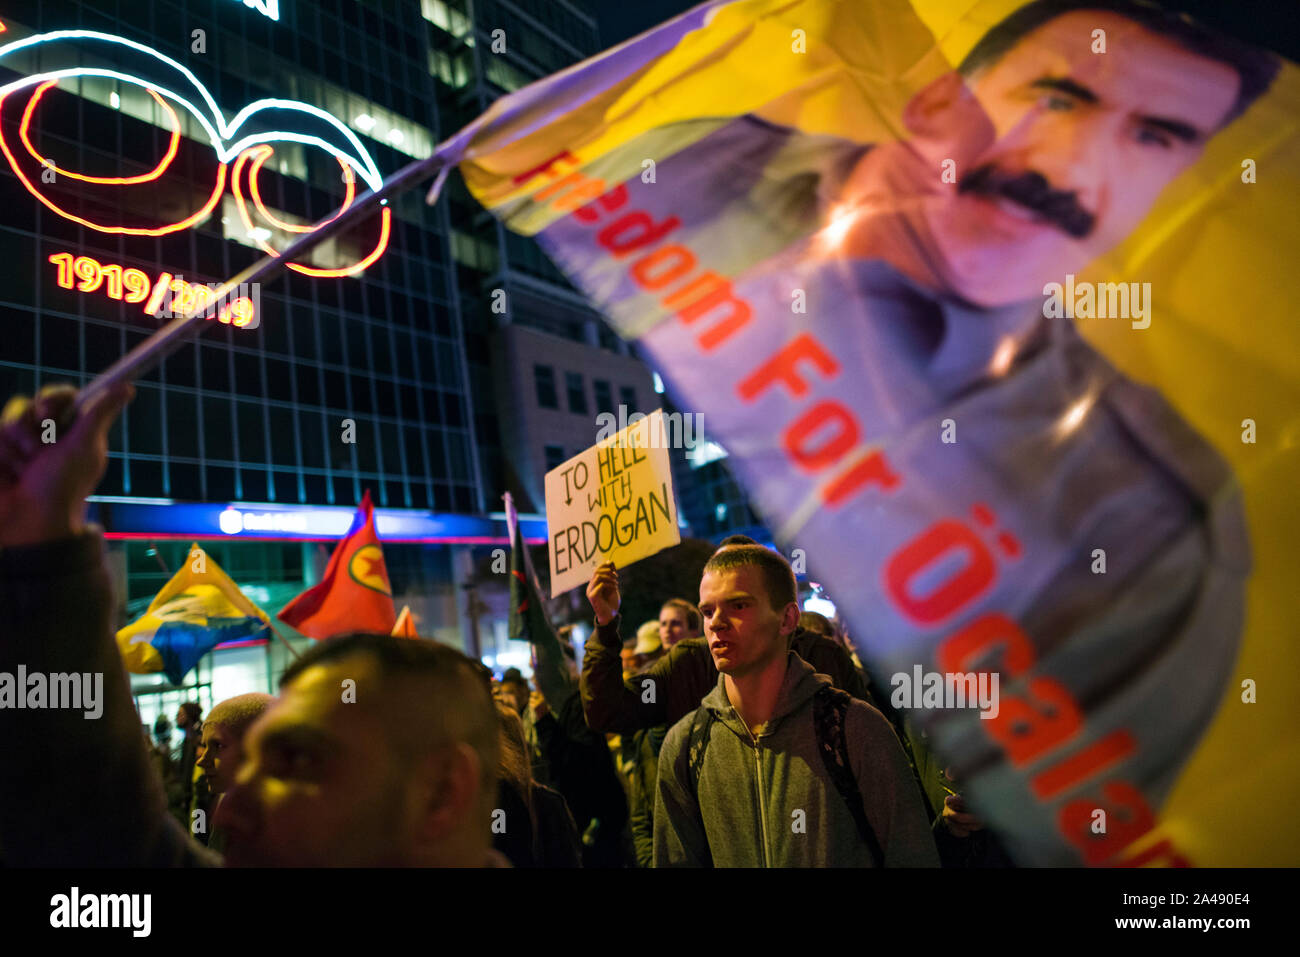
point(244, 141)
point(267, 8)
point(135, 286)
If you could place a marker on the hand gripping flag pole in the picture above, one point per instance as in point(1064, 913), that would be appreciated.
point(166, 340)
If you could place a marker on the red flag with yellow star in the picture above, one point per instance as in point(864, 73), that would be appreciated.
point(354, 594)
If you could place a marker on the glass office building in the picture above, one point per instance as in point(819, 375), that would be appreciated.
point(249, 414)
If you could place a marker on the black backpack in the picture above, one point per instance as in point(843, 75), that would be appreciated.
point(830, 705)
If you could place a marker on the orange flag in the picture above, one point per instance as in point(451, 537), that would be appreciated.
point(405, 627)
point(354, 594)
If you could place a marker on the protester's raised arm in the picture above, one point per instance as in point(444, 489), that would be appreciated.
point(611, 705)
point(550, 671)
point(50, 463)
point(608, 702)
point(79, 789)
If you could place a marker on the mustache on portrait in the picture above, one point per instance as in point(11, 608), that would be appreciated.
point(1031, 190)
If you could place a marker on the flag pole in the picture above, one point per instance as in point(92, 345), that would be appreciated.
point(284, 641)
point(166, 340)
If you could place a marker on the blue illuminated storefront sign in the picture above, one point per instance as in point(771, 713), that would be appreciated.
point(125, 518)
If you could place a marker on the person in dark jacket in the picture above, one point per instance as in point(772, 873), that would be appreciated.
point(189, 721)
point(531, 825)
point(648, 742)
point(582, 770)
point(577, 759)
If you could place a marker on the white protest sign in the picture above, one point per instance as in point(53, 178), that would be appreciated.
point(612, 502)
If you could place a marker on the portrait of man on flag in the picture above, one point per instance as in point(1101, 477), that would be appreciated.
point(931, 288)
point(884, 259)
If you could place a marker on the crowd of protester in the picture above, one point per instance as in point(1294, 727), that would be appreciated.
point(733, 731)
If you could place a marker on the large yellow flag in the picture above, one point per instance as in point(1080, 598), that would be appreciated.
point(992, 305)
point(197, 610)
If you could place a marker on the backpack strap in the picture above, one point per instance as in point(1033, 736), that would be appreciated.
point(696, 742)
point(830, 706)
point(656, 736)
point(698, 739)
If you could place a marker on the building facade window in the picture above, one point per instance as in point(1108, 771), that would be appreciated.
point(544, 377)
point(627, 396)
point(604, 395)
point(554, 457)
point(577, 392)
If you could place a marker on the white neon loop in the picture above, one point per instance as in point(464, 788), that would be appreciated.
point(214, 138)
point(122, 41)
point(220, 133)
point(267, 8)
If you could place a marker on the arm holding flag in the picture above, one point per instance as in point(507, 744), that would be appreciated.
point(90, 797)
point(553, 679)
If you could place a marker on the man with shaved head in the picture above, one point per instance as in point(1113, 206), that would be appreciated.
point(221, 747)
point(381, 751)
point(220, 751)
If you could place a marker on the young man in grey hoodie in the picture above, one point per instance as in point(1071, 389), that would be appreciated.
point(749, 780)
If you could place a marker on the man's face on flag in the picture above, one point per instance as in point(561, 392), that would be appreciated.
point(1059, 153)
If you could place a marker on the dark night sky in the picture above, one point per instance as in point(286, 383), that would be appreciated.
point(621, 19)
point(1270, 23)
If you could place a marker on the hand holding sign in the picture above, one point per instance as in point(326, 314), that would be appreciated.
point(603, 593)
point(611, 503)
